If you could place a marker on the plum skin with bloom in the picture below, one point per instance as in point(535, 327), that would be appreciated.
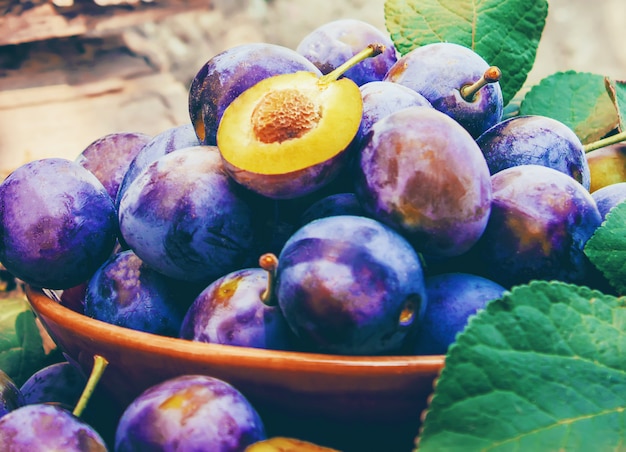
point(540, 221)
point(58, 223)
point(350, 285)
point(189, 412)
point(421, 173)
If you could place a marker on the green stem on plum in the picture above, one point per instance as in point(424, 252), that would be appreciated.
point(100, 363)
point(370, 51)
point(491, 75)
point(269, 263)
point(613, 139)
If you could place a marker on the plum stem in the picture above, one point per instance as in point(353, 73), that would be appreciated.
point(269, 263)
point(370, 51)
point(100, 363)
point(613, 139)
point(491, 75)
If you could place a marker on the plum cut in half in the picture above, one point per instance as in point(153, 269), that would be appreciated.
point(287, 136)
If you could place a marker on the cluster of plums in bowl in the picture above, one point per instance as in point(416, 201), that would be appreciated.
point(316, 235)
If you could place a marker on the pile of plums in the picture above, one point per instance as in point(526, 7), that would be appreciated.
point(336, 198)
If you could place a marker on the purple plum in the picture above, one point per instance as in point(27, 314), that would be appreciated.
point(232, 311)
point(350, 285)
point(421, 173)
point(57, 223)
point(109, 157)
point(169, 140)
point(451, 299)
point(11, 397)
point(226, 75)
point(609, 196)
point(540, 221)
point(380, 99)
point(127, 292)
point(333, 43)
point(535, 140)
point(188, 413)
point(335, 204)
point(183, 216)
point(439, 71)
point(43, 427)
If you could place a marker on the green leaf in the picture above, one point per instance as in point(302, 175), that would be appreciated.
point(577, 99)
point(606, 248)
point(617, 93)
point(22, 349)
point(505, 33)
point(542, 368)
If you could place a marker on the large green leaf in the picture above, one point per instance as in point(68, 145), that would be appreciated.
point(22, 350)
point(578, 99)
point(542, 368)
point(606, 249)
point(505, 33)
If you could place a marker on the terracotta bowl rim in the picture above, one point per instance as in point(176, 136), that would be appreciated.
point(44, 306)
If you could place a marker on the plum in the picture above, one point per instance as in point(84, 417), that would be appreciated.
point(607, 165)
point(439, 71)
point(535, 140)
point(380, 99)
point(332, 43)
point(609, 196)
point(57, 223)
point(187, 413)
point(127, 292)
point(540, 221)
point(109, 157)
point(11, 397)
point(236, 310)
point(229, 73)
point(350, 285)
point(43, 427)
point(423, 174)
point(451, 299)
point(184, 217)
point(178, 137)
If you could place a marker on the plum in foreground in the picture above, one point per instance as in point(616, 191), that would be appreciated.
point(540, 221)
point(421, 173)
point(57, 223)
point(186, 413)
point(184, 217)
point(350, 285)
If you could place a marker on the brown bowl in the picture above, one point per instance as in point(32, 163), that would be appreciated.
point(322, 398)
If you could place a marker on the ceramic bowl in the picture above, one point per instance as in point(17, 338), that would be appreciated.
point(323, 398)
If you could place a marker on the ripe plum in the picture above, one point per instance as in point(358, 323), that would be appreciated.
point(609, 196)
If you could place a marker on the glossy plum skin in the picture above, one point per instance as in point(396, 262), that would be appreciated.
point(333, 43)
point(11, 397)
point(230, 311)
point(539, 224)
point(423, 174)
point(350, 285)
point(109, 157)
point(438, 71)
point(190, 412)
point(169, 140)
point(380, 99)
point(331, 205)
point(183, 216)
point(61, 383)
point(226, 75)
point(127, 292)
point(451, 299)
point(57, 223)
point(609, 196)
point(44, 427)
point(535, 140)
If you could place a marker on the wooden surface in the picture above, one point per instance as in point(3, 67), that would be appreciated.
point(83, 17)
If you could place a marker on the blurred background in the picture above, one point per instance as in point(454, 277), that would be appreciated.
point(72, 71)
